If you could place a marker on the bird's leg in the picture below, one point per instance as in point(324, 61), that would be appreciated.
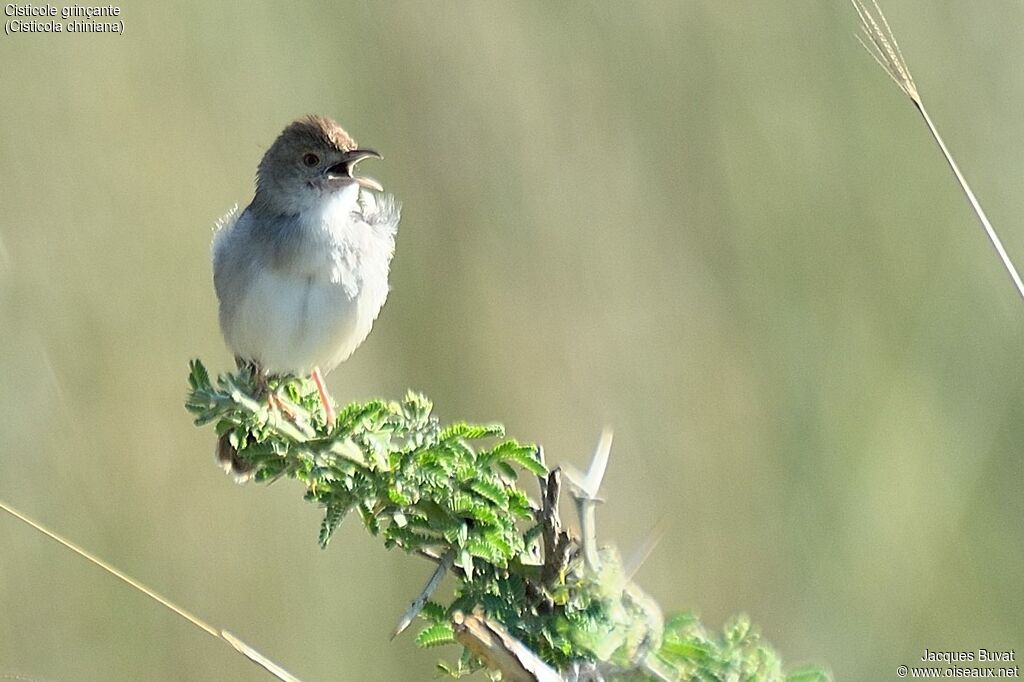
point(325, 399)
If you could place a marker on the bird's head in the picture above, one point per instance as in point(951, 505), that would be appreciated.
point(312, 159)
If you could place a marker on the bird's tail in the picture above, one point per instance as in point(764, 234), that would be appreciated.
point(231, 463)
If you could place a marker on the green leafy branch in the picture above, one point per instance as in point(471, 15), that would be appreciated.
point(532, 601)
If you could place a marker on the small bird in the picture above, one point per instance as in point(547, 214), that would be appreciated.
point(302, 273)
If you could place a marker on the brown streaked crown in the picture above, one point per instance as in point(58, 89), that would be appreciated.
point(281, 171)
point(319, 130)
point(313, 133)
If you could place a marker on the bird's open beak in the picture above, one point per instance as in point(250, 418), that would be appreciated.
point(343, 169)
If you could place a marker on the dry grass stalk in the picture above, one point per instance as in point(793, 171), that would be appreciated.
point(223, 635)
point(880, 43)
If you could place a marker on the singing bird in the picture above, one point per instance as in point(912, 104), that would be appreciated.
point(302, 272)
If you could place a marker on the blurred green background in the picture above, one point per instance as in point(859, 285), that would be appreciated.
point(714, 226)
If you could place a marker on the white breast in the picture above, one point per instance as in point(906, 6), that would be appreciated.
point(316, 312)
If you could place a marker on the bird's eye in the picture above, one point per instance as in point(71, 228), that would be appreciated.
point(311, 159)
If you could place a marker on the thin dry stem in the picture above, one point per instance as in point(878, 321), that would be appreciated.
point(232, 641)
point(882, 46)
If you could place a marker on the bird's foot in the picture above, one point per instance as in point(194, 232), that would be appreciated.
point(276, 402)
point(282, 405)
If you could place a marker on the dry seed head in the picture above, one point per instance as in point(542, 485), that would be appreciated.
point(878, 40)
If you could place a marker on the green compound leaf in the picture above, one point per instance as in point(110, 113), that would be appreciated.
point(198, 377)
point(333, 517)
point(512, 452)
point(472, 431)
point(483, 514)
point(809, 674)
point(493, 492)
point(435, 635)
